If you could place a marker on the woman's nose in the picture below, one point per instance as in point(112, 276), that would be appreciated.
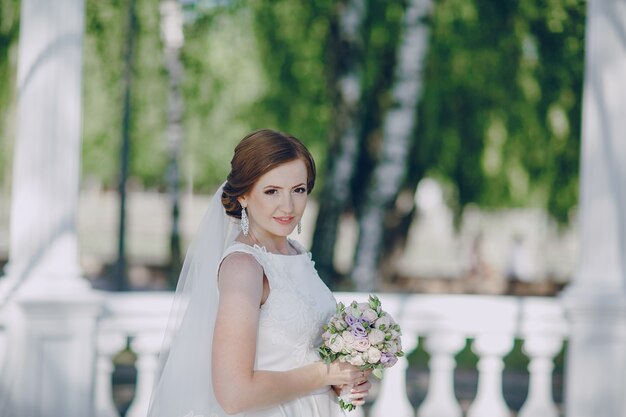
point(287, 204)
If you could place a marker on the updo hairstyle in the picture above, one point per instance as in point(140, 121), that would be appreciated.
point(256, 154)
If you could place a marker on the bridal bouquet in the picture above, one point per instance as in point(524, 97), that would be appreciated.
point(363, 335)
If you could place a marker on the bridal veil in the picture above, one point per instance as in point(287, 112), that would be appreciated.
point(184, 387)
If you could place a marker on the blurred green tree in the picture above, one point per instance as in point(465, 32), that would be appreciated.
point(498, 121)
point(9, 32)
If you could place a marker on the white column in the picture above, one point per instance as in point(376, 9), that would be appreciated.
point(51, 349)
point(596, 299)
point(43, 250)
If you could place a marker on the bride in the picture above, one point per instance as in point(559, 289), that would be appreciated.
point(249, 306)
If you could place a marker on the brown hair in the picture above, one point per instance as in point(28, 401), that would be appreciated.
point(256, 154)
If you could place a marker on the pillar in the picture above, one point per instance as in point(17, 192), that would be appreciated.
point(51, 310)
point(596, 299)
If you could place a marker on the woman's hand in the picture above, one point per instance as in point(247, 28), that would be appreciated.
point(359, 387)
point(358, 393)
point(342, 373)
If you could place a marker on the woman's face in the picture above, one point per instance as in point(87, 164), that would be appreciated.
point(277, 200)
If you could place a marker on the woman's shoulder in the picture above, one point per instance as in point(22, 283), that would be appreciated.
point(240, 247)
point(240, 262)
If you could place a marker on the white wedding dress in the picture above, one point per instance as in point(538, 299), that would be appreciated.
point(290, 326)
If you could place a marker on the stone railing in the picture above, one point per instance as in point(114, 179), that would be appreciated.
point(443, 323)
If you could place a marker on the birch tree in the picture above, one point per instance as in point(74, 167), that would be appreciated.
point(345, 143)
point(173, 38)
point(398, 127)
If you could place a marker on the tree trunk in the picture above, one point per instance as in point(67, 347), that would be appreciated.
point(398, 128)
point(344, 149)
point(172, 34)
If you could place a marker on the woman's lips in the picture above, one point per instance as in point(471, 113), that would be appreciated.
point(284, 220)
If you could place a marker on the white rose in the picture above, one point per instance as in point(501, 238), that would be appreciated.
point(326, 335)
point(361, 344)
point(382, 321)
point(336, 343)
point(355, 311)
point(394, 334)
point(348, 337)
point(363, 306)
point(373, 355)
point(356, 360)
point(370, 315)
point(376, 336)
point(340, 324)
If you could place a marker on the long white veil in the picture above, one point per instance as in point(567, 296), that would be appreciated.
point(184, 388)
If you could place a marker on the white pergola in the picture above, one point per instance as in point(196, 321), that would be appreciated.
point(52, 312)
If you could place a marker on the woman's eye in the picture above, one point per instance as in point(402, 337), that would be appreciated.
point(271, 191)
point(300, 190)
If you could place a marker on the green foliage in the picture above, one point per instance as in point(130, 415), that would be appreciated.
point(223, 79)
point(102, 98)
point(105, 43)
point(9, 31)
point(149, 99)
point(293, 41)
point(500, 112)
point(499, 119)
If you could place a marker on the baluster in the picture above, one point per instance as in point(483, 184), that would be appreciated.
point(489, 401)
point(540, 349)
point(440, 400)
point(108, 345)
point(392, 399)
point(147, 348)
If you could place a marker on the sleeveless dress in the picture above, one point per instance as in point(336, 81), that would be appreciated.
point(290, 326)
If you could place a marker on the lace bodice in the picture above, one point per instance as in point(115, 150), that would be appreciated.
point(298, 305)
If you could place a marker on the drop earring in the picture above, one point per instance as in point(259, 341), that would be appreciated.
point(245, 223)
point(299, 227)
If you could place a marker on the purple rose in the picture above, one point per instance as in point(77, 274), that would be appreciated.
point(388, 359)
point(359, 331)
point(351, 320)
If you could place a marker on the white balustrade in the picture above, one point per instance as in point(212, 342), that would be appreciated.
point(108, 344)
point(445, 322)
point(440, 400)
point(489, 401)
point(142, 317)
point(543, 332)
point(392, 399)
point(147, 346)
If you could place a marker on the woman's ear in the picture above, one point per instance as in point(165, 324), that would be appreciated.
point(242, 201)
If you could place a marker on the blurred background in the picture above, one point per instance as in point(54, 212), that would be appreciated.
point(463, 144)
point(446, 135)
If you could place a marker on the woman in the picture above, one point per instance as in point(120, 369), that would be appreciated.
point(251, 350)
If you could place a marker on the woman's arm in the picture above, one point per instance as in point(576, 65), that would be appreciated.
point(238, 387)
